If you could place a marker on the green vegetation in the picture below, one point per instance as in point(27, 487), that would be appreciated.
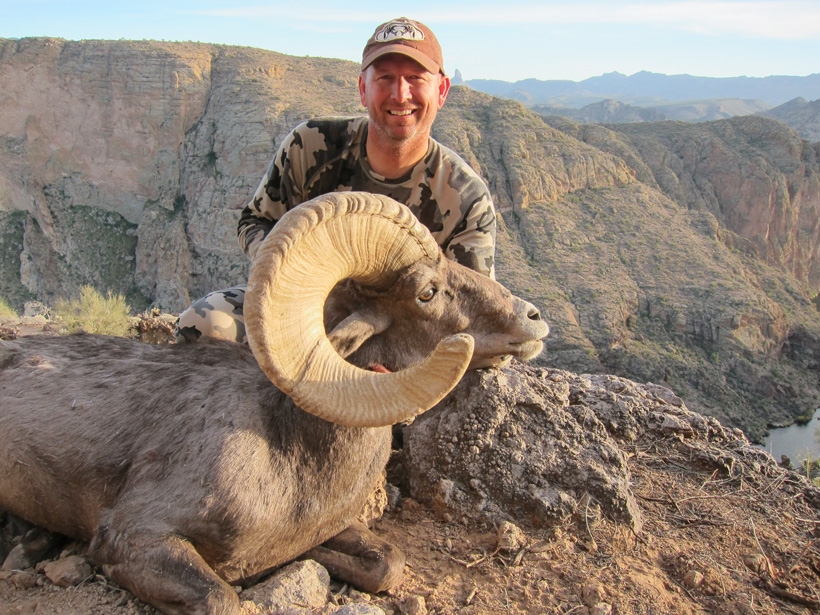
point(6, 310)
point(810, 467)
point(93, 313)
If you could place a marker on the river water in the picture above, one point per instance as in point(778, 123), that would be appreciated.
point(796, 441)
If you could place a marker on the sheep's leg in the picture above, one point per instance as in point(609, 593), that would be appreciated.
point(166, 572)
point(359, 557)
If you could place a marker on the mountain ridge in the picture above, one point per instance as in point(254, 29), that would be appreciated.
point(646, 88)
point(667, 252)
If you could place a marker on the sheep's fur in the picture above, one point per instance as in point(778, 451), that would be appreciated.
point(187, 470)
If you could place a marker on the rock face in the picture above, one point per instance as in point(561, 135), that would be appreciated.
point(800, 114)
point(755, 176)
point(125, 164)
point(541, 444)
point(509, 445)
point(701, 271)
point(663, 251)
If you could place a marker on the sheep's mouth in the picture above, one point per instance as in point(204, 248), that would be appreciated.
point(497, 361)
point(528, 350)
point(523, 350)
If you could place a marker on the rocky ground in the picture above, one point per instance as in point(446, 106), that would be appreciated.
point(550, 493)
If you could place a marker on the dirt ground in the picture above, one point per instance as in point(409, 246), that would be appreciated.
point(733, 540)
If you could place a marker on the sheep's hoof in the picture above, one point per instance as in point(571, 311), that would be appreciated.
point(359, 557)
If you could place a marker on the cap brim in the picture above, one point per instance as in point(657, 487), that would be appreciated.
point(405, 50)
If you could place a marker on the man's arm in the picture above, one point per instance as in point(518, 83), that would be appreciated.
point(276, 193)
point(253, 224)
point(473, 242)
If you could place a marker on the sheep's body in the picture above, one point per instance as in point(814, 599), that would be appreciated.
point(250, 482)
point(220, 474)
point(187, 469)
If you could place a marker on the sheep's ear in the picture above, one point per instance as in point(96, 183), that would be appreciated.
point(355, 330)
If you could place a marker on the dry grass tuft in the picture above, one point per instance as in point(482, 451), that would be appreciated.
point(6, 311)
point(93, 313)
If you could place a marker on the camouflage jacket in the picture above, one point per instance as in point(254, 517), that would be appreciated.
point(328, 155)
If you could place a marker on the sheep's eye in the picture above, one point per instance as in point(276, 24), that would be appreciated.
point(427, 295)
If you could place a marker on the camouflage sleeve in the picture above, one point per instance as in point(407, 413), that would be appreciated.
point(279, 191)
point(473, 243)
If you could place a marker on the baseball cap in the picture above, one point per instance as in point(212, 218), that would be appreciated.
point(407, 37)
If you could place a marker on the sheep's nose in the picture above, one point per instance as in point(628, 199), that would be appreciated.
point(530, 318)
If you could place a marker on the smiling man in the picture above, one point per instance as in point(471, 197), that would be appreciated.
point(402, 85)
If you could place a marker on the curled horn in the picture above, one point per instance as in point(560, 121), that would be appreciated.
point(368, 238)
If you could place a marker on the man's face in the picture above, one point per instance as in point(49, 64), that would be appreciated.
point(401, 97)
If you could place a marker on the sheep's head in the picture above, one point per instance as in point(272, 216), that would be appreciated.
point(399, 326)
point(403, 305)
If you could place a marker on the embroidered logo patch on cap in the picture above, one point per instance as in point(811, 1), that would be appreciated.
point(393, 30)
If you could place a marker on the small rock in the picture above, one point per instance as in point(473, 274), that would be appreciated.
point(358, 609)
point(756, 562)
point(16, 559)
point(304, 583)
point(356, 596)
point(68, 571)
point(9, 332)
point(23, 580)
point(510, 537)
point(602, 608)
point(393, 496)
point(692, 579)
point(673, 424)
point(592, 594)
point(414, 605)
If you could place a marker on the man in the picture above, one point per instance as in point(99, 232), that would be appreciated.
point(390, 152)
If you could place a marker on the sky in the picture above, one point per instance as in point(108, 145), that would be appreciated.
point(503, 39)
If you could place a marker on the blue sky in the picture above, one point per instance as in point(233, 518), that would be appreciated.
point(507, 40)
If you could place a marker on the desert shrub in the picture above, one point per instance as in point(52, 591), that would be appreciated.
point(93, 313)
point(6, 311)
point(810, 468)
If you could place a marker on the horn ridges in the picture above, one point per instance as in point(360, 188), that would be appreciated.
point(369, 238)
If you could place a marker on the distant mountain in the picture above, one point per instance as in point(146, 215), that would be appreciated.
point(802, 116)
point(648, 89)
point(710, 109)
point(613, 112)
point(604, 112)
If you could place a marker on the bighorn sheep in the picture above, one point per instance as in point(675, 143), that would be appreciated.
point(187, 471)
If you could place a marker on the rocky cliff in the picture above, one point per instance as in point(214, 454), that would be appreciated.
point(125, 164)
point(800, 114)
point(757, 177)
point(665, 252)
